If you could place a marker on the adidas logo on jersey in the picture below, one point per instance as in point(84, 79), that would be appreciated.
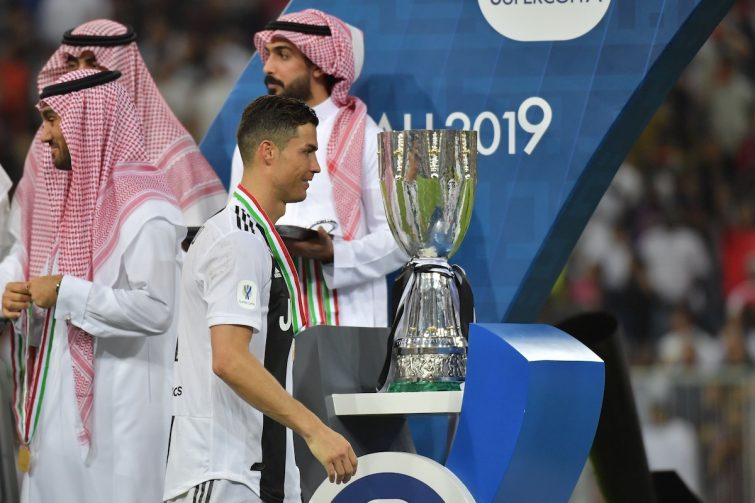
point(276, 273)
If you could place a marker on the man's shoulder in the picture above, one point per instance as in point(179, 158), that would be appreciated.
point(233, 224)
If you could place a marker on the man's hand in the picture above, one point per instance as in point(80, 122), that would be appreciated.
point(320, 248)
point(16, 298)
point(239, 369)
point(44, 290)
point(334, 453)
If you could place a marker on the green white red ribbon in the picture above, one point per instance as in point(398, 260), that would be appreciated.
point(280, 253)
point(321, 301)
point(30, 365)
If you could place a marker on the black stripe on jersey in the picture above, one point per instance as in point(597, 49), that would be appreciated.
point(244, 221)
point(170, 436)
point(209, 492)
point(277, 349)
point(203, 491)
point(196, 493)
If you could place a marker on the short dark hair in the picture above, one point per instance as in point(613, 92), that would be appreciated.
point(273, 118)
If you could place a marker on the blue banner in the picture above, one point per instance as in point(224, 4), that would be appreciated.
point(558, 90)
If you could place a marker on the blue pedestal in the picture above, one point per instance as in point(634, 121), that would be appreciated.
point(430, 436)
point(529, 411)
point(531, 405)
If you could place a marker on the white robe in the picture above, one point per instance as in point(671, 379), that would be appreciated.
point(359, 266)
point(6, 239)
point(8, 476)
point(133, 325)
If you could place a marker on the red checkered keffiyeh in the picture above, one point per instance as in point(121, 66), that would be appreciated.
point(111, 177)
point(169, 146)
point(334, 55)
point(37, 215)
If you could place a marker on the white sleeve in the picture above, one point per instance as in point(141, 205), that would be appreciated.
point(14, 220)
point(7, 236)
point(145, 306)
point(233, 274)
point(11, 268)
point(375, 254)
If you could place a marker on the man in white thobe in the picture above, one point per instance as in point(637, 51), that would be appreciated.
point(309, 55)
point(93, 343)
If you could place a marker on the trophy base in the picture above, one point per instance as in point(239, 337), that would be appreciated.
point(409, 387)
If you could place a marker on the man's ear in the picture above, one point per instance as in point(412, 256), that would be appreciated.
point(317, 72)
point(267, 151)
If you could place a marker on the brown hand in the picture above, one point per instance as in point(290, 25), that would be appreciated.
point(16, 298)
point(320, 248)
point(44, 290)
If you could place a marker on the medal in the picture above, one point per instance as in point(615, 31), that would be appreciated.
point(30, 366)
point(24, 458)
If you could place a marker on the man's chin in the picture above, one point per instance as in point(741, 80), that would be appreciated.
point(297, 199)
point(60, 164)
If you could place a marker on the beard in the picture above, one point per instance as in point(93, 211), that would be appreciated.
point(62, 160)
point(297, 88)
point(63, 164)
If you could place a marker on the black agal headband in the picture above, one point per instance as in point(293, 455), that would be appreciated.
point(99, 40)
point(308, 29)
point(96, 79)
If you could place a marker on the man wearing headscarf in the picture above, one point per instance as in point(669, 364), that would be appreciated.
point(108, 45)
point(310, 55)
point(92, 342)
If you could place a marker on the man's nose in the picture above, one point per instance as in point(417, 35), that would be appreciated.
point(267, 69)
point(46, 135)
point(315, 167)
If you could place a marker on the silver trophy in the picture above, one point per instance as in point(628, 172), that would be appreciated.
point(428, 180)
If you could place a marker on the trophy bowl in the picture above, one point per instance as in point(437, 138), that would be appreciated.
point(428, 179)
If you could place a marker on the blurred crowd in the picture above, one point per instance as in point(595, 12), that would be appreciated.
point(195, 50)
point(670, 249)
